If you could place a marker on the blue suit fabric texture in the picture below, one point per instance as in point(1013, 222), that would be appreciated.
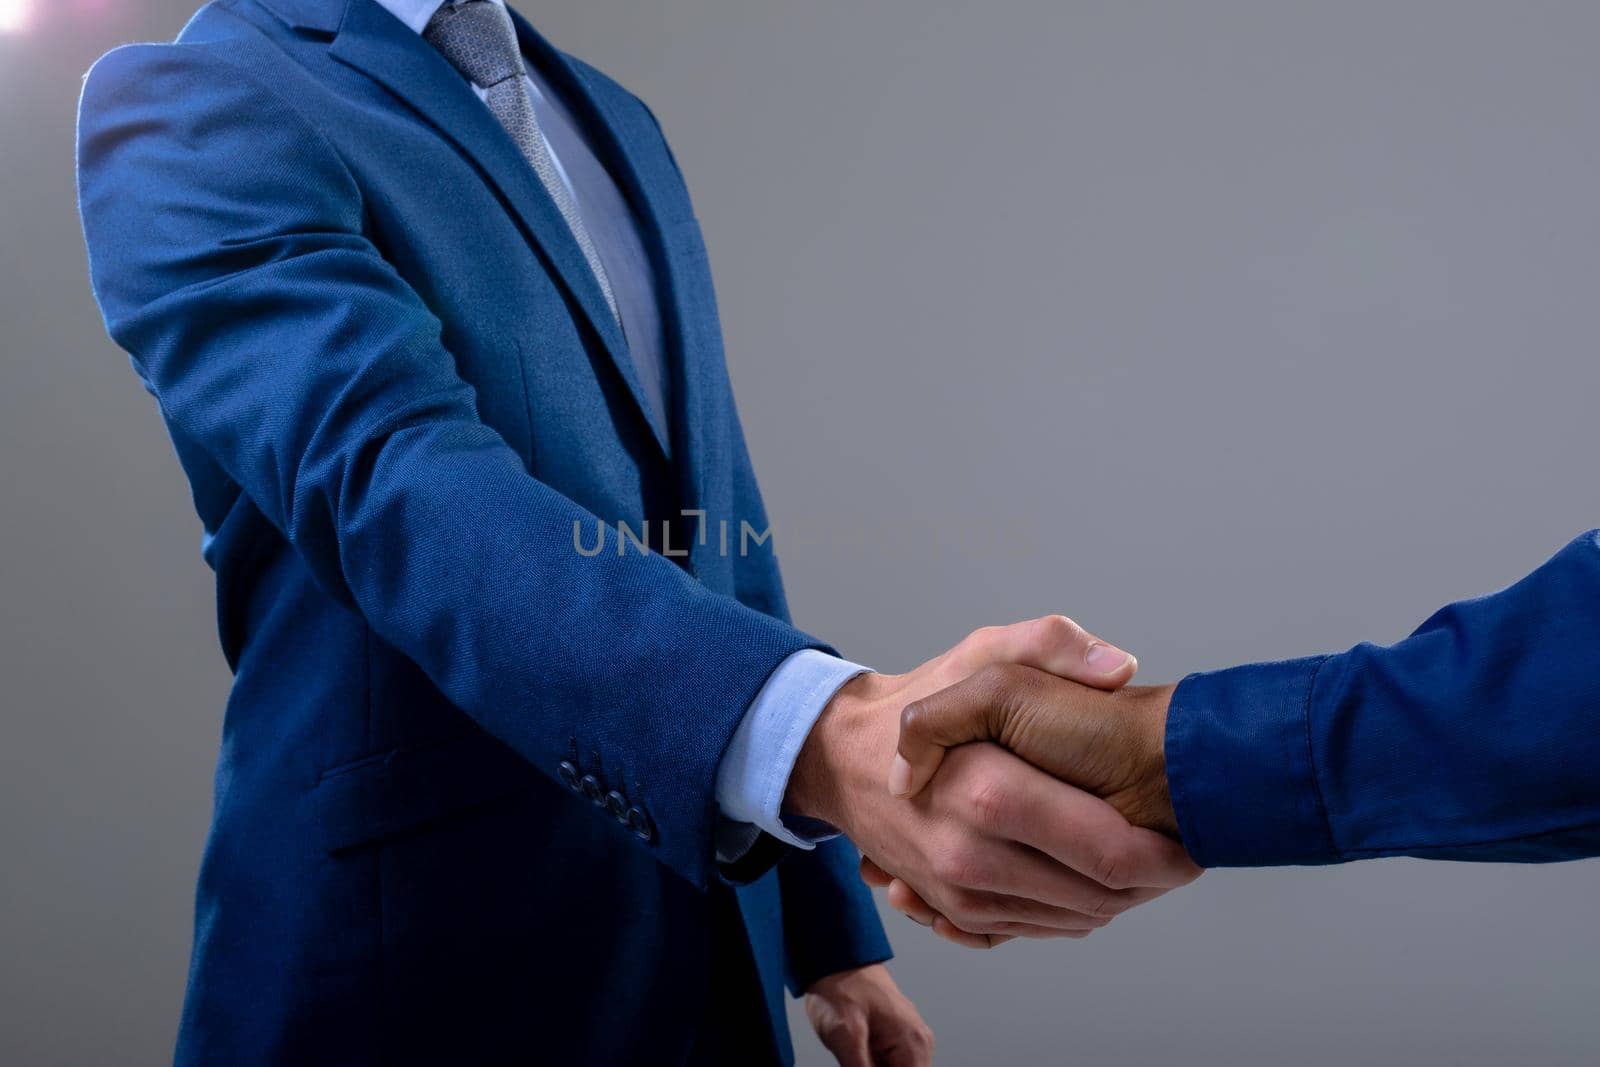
point(1476, 738)
point(464, 806)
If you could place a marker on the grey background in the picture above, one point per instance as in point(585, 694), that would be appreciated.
point(1236, 330)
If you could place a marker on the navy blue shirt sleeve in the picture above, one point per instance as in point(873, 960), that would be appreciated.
point(1476, 738)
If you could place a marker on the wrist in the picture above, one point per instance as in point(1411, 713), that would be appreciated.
point(1148, 799)
point(866, 974)
point(840, 754)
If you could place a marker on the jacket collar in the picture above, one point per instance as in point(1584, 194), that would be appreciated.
point(374, 42)
point(319, 16)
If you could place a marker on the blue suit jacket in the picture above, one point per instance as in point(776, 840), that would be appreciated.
point(396, 389)
point(1476, 738)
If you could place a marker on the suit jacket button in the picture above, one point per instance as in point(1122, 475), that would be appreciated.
point(591, 788)
point(639, 823)
point(567, 771)
point(617, 805)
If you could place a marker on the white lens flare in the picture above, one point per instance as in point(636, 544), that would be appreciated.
point(14, 15)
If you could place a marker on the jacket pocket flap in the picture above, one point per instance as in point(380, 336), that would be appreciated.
point(391, 793)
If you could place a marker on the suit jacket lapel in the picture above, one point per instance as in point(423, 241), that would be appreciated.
point(377, 44)
point(626, 159)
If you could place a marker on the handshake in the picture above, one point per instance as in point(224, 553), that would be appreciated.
point(1058, 821)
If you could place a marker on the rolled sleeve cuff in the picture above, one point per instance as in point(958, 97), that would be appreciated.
point(754, 773)
point(1241, 768)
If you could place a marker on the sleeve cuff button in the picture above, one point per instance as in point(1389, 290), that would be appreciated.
point(639, 823)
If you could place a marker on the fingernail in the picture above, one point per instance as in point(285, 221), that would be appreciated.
point(1105, 659)
point(899, 777)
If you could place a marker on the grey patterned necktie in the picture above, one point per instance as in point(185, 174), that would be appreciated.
point(477, 37)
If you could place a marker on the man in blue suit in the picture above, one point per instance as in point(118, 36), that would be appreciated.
point(1476, 738)
point(427, 312)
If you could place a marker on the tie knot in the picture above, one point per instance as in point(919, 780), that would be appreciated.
point(478, 39)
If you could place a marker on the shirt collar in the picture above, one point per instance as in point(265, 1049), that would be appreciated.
point(415, 13)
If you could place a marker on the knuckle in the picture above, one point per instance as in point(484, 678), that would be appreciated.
point(1103, 907)
point(994, 680)
point(850, 1026)
point(912, 718)
point(990, 802)
point(1061, 628)
point(1019, 909)
point(1113, 867)
point(980, 638)
point(951, 865)
point(900, 895)
point(984, 928)
point(988, 678)
point(965, 909)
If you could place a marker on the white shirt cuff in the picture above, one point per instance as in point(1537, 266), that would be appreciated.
point(754, 773)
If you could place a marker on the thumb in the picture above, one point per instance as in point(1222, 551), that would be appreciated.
point(1054, 644)
point(1050, 723)
point(966, 711)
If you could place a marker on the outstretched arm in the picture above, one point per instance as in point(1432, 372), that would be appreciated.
point(228, 252)
point(1476, 738)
